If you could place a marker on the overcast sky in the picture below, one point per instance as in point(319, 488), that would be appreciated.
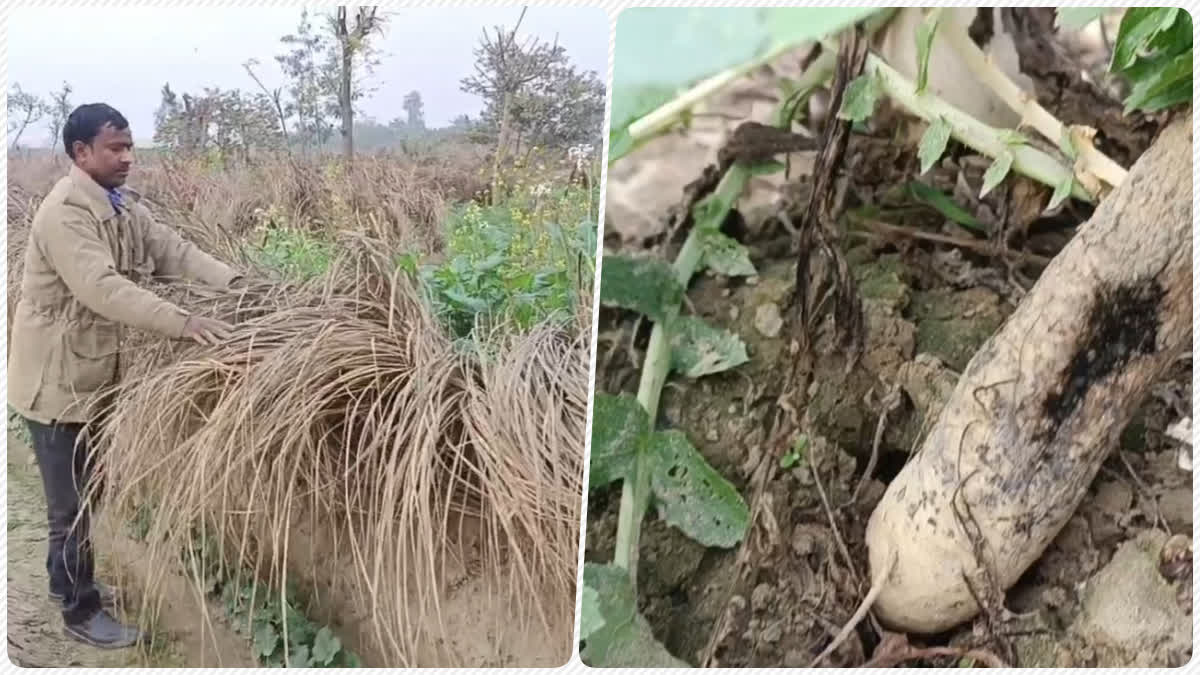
point(124, 55)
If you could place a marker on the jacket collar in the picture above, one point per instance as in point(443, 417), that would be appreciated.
point(91, 194)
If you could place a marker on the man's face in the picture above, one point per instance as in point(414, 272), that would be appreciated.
point(108, 158)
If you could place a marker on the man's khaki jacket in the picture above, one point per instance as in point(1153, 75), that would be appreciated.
point(79, 290)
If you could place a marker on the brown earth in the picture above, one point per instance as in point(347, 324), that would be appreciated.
point(35, 639)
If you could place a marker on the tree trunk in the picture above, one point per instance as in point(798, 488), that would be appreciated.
point(17, 137)
point(1043, 403)
point(345, 102)
point(501, 142)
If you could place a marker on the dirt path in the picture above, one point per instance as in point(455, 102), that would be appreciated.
point(35, 637)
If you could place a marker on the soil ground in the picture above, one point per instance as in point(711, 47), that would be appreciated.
point(35, 637)
point(1095, 598)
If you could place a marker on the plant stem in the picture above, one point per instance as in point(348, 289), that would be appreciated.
point(1023, 103)
point(971, 132)
point(635, 492)
point(818, 72)
point(668, 113)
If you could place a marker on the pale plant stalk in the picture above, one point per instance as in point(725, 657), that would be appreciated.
point(1032, 113)
point(969, 131)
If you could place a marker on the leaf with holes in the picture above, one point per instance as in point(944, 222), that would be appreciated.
point(860, 98)
point(933, 143)
point(996, 173)
point(925, 32)
point(724, 255)
point(619, 427)
point(692, 496)
point(645, 285)
point(698, 349)
point(625, 640)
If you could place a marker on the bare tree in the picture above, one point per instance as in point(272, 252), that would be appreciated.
point(352, 41)
point(23, 109)
point(312, 86)
point(226, 126)
point(503, 68)
point(60, 109)
point(274, 95)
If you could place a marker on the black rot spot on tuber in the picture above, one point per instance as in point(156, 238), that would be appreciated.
point(1123, 324)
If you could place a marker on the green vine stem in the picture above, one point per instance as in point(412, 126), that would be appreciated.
point(1092, 160)
point(817, 73)
point(667, 114)
point(969, 131)
point(635, 494)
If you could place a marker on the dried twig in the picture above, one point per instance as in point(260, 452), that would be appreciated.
point(890, 402)
point(981, 247)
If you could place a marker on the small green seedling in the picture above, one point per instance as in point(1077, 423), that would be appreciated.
point(796, 455)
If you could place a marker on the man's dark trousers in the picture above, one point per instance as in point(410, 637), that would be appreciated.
point(64, 459)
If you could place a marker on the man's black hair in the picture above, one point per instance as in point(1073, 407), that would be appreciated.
point(85, 122)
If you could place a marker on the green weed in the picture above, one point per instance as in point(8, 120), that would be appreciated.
point(295, 254)
point(276, 627)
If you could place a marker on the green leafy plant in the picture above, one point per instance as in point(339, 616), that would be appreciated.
point(296, 254)
point(1153, 51)
point(504, 266)
point(654, 466)
point(280, 633)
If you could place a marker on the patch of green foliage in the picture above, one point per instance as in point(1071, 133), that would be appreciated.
point(1153, 51)
point(516, 264)
point(276, 627)
point(507, 264)
point(295, 254)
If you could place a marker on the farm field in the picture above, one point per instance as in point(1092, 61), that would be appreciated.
point(384, 465)
point(882, 380)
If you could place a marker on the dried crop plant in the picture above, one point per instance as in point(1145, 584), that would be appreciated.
point(343, 406)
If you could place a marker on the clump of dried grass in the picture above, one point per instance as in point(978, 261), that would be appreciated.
point(341, 406)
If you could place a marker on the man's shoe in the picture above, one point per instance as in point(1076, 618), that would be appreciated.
point(103, 631)
point(108, 598)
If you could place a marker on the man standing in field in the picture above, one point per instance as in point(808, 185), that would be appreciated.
point(91, 241)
